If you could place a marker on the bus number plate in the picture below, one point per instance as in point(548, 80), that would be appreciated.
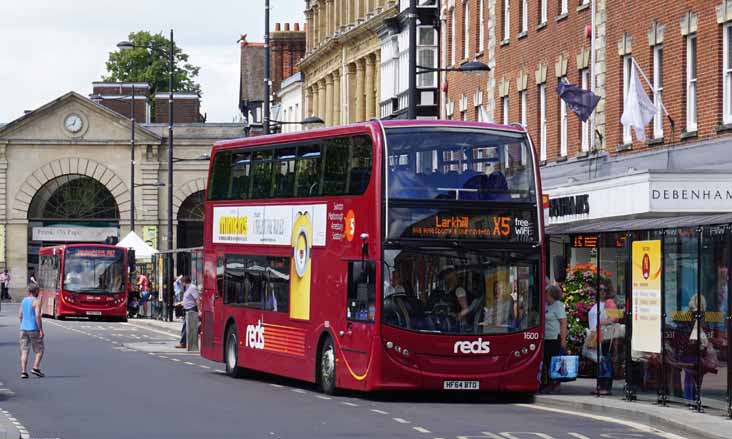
point(93, 313)
point(460, 385)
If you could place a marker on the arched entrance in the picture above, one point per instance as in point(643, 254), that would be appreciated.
point(70, 208)
point(190, 221)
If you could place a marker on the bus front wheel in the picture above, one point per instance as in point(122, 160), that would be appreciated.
point(232, 353)
point(326, 368)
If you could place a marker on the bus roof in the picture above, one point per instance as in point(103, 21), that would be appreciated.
point(361, 127)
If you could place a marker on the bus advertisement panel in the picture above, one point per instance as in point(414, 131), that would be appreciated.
point(394, 255)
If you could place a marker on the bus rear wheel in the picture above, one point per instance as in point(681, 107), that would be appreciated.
point(326, 368)
point(231, 356)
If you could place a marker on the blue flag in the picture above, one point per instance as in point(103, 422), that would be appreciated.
point(579, 100)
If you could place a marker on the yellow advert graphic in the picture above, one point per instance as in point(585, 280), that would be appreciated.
point(647, 268)
point(302, 233)
point(231, 225)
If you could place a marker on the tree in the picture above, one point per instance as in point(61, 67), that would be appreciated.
point(151, 66)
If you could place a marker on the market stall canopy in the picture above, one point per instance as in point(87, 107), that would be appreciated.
point(142, 249)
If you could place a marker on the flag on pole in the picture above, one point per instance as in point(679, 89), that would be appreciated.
point(638, 110)
point(483, 115)
point(579, 100)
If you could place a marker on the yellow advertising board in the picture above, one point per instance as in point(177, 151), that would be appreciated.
point(646, 294)
point(2, 243)
point(150, 235)
point(302, 233)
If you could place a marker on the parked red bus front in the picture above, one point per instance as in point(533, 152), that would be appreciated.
point(394, 255)
point(84, 280)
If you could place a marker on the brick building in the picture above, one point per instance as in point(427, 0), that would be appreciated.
point(287, 48)
point(117, 95)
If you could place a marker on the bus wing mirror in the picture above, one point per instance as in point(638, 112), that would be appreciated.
point(364, 245)
point(131, 260)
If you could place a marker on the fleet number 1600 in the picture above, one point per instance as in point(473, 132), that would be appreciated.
point(531, 335)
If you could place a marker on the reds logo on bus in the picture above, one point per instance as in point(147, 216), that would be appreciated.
point(255, 336)
point(475, 347)
point(646, 266)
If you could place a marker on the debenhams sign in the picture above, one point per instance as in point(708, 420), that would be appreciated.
point(680, 196)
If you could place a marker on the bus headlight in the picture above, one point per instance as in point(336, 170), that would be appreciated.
point(389, 345)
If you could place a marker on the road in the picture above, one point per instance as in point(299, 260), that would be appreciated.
point(117, 380)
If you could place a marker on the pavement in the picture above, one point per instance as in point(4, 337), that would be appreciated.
point(125, 380)
point(575, 396)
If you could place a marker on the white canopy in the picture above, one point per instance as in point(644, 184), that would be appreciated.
point(142, 249)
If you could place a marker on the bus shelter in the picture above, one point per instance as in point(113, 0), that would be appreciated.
point(186, 262)
point(662, 286)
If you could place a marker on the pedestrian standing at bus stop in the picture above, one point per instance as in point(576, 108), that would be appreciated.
point(5, 285)
point(31, 332)
point(191, 302)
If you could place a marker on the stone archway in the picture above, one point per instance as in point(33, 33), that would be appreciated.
point(190, 221)
point(70, 166)
point(186, 190)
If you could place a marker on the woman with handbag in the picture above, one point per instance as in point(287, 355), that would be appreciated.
point(555, 333)
point(610, 330)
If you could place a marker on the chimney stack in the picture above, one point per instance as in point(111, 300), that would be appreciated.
point(277, 27)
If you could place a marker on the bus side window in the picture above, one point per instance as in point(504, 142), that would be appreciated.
point(361, 300)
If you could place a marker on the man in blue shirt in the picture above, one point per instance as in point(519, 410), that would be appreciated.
point(31, 332)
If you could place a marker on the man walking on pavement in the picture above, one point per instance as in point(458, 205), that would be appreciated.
point(31, 332)
point(191, 302)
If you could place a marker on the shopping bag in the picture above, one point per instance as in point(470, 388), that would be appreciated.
point(606, 367)
point(564, 368)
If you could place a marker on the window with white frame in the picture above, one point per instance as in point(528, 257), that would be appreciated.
point(585, 141)
point(563, 119)
point(427, 55)
point(524, 16)
point(524, 108)
point(563, 7)
point(543, 11)
point(466, 29)
point(452, 36)
point(627, 67)
point(506, 19)
point(691, 83)
point(481, 25)
point(504, 109)
point(542, 122)
point(658, 91)
point(727, 73)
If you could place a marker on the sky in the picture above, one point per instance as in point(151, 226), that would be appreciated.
point(51, 47)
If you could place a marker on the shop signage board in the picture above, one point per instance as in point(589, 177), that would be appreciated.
point(74, 234)
point(646, 294)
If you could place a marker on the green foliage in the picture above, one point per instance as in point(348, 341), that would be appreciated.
point(151, 66)
point(579, 296)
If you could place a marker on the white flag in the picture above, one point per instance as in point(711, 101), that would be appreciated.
point(483, 115)
point(639, 110)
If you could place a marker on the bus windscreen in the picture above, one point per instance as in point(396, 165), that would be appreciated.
point(459, 164)
point(94, 270)
point(461, 292)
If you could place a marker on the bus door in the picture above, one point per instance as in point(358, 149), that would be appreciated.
point(359, 327)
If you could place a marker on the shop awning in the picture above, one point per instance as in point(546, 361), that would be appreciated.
point(622, 225)
point(142, 249)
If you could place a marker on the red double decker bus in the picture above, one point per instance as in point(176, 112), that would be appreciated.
point(380, 255)
point(84, 280)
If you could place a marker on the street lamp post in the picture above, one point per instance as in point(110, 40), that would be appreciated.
point(171, 60)
point(171, 70)
point(132, 161)
point(412, 101)
point(265, 110)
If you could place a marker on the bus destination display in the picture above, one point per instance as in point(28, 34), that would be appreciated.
point(92, 253)
point(518, 226)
